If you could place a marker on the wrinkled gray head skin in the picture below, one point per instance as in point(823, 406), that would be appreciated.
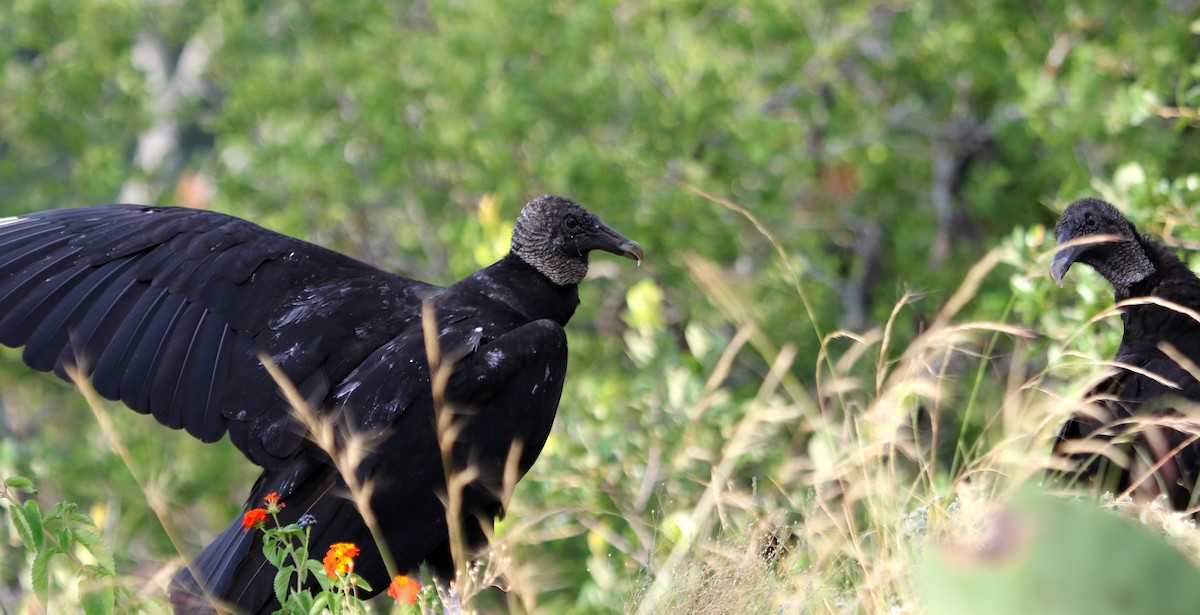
point(1109, 244)
point(555, 234)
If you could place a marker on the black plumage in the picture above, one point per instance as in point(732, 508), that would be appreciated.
point(168, 310)
point(1135, 433)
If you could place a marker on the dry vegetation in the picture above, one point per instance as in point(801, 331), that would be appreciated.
point(892, 453)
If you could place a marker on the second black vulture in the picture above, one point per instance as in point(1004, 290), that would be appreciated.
point(1135, 433)
point(169, 309)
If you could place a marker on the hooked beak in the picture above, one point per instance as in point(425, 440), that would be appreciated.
point(1063, 259)
point(604, 238)
point(1070, 249)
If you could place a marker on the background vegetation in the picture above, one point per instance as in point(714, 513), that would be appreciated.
point(813, 182)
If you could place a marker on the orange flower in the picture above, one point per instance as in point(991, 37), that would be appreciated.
point(253, 518)
point(404, 590)
point(272, 501)
point(340, 558)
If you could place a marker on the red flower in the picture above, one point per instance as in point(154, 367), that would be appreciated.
point(253, 518)
point(273, 503)
point(340, 558)
point(404, 590)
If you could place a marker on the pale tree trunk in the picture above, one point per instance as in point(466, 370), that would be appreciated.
point(158, 155)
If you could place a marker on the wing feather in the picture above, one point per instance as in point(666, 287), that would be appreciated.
point(110, 367)
point(167, 368)
point(24, 234)
point(143, 361)
point(169, 308)
point(204, 374)
point(98, 328)
point(28, 270)
point(23, 318)
point(47, 342)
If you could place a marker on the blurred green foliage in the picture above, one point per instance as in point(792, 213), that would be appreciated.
point(1041, 558)
point(885, 145)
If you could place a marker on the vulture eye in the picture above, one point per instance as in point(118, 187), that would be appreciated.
point(570, 223)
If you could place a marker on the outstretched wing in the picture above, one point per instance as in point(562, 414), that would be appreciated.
point(167, 309)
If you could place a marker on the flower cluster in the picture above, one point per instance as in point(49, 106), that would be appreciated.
point(286, 547)
point(404, 590)
point(256, 516)
point(253, 518)
point(340, 559)
point(273, 503)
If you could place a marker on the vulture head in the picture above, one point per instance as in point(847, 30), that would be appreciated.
point(1094, 233)
point(554, 235)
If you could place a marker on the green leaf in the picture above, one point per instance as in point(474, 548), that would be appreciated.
point(22, 484)
point(83, 518)
point(100, 601)
point(283, 578)
point(288, 532)
point(273, 550)
point(22, 526)
point(320, 604)
point(28, 520)
point(39, 575)
point(304, 601)
point(97, 547)
point(300, 603)
point(318, 571)
point(65, 537)
point(61, 511)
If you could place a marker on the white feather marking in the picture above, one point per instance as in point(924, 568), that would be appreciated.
point(11, 220)
point(298, 312)
point(347, 389)
point(286, 354)
point(493, 358)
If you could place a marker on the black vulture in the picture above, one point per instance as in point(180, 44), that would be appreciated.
point(170, 309)
point(1135, 434)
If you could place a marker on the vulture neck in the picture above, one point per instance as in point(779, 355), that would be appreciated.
point(1138, 269)
point(1170, 279)
point(516, 284)
point(1135, 268)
